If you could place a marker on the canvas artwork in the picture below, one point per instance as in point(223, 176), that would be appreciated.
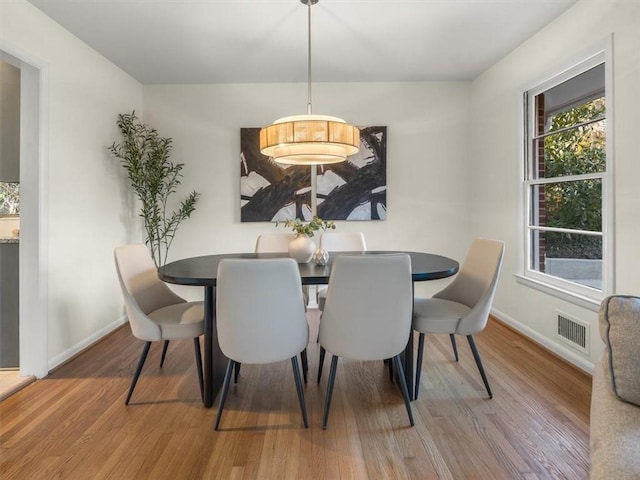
point(352, 190)
point(269, 191)
point(357, 188)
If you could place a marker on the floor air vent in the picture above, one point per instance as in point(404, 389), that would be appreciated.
point(573, 332)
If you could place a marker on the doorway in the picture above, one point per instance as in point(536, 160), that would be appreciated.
point(32, 262)
point(9, 216)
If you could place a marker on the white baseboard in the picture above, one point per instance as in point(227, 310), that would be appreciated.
point(87, 342)
point(564, 353)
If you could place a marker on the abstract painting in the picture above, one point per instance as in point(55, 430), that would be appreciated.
point(357, 188)
point(269, 191)
point(352, 190)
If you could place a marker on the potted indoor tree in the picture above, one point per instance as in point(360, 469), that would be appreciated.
point(144, 154)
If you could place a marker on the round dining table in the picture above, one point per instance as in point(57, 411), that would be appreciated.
point(202, 271)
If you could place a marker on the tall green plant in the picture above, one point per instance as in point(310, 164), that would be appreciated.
point(145, 156)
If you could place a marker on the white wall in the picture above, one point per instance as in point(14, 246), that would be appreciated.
point(89, 207)
point(426, 157)
point(496, 161)
point(449, 178)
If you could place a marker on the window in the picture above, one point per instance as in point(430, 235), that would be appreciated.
point(566, 180)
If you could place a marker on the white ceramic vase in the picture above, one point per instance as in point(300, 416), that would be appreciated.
point(301, 248)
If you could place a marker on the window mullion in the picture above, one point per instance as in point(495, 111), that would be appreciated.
point(566, 178)
point(570, 127)
point(540, 228)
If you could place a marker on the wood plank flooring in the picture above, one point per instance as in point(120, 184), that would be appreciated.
point(11, 382)
point(74, 424)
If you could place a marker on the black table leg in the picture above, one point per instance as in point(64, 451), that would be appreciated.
point(407, 365)
point(208, 334)
point(214, 360)
point(407, 357)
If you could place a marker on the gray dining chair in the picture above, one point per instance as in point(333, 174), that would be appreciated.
point(279, 243)
point(343, 241)
point(274, 242)
point(339, 242)
point(260, 317)
point(463, 307)
point(366, 320)
point(155, 312)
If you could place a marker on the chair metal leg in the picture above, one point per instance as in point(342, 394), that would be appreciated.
point(419, 364)
point(296, 376)
point(453, 344)
point(305, 364)
point(164, 352)
point(403, 387)
point(321, 362)
point(196, 347)
point(236, 371)
point(143, 357)
point(223, 392)
point(329, 394)
point(476, 356)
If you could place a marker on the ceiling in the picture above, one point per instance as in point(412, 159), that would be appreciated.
point(265, 41)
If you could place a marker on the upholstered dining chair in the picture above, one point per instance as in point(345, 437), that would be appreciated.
point(155, 312)
point(260, 317)
point(339, 242)
point(279, 243)
point(274, 242)
point(343, 241)
point(462, 308)
point(365, 320)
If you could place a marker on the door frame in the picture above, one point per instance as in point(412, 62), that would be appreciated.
point(34, 152)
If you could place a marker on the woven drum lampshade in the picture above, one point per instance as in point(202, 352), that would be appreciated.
point(309, 140)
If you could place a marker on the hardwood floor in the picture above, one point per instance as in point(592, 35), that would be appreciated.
point(74, 424)
point(11, 382)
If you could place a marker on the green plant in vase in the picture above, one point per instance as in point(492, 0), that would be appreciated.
point(302, 248)
point(308, 228)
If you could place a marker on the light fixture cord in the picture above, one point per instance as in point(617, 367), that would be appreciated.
point(309, 58)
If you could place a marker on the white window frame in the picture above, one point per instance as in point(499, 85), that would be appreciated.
point(570, 291)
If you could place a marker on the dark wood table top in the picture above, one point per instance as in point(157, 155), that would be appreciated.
point(202, 271)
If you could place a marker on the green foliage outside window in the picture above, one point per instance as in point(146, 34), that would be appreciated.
point(576, 204)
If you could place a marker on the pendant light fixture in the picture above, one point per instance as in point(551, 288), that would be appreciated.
point(309, 139)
